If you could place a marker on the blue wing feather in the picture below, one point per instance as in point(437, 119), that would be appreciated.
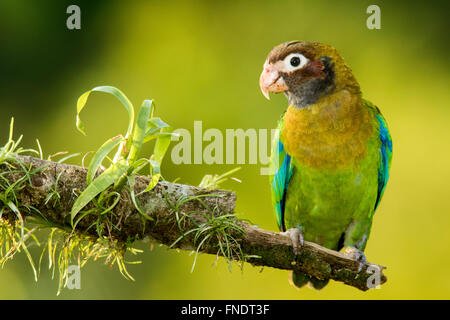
point(282, 167)
point(385, 156)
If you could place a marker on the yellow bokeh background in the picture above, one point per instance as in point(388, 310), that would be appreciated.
point(200, 60)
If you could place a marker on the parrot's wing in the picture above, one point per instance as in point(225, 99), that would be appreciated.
point(282, 169)
point(385, 152)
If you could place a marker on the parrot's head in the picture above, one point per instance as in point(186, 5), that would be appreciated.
point(305, 72)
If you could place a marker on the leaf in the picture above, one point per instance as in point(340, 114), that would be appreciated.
point(152, 136)
point(115, 92)
point(100, 155)
point(156, 122)
point(153, 182)
point(30, 259)
point(161, 146)
point(11, 129)
point(139, 131)
point(14, 209)
point(41, 154)
point(131, 181)
point(101, 183)
point(115, 202)
point(69, 157)
point(138, 165)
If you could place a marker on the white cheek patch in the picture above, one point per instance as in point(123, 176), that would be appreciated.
point(286, 65)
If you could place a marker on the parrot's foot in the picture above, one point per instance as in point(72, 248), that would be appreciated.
point(296, 236)
point(355, 254)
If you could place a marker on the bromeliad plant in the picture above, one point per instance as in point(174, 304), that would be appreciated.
point(103, 192)
point(126, 162)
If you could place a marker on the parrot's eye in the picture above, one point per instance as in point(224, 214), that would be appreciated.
point(294, 61)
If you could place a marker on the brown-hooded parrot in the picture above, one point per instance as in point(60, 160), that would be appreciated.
point(332, 155)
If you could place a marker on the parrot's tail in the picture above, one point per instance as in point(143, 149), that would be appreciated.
point(300, 279)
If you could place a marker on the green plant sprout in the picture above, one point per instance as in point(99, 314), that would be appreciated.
point(126, 161)
point(11, 148)
point(14, 236)
point(211, 182)
point(103, 192)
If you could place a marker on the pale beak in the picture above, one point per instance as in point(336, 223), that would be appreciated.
point(271, 81)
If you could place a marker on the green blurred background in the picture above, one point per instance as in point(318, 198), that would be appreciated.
point(201, 60)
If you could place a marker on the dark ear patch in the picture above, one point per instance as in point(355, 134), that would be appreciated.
point(328, 70)
point(314, 69)
point(308, 84)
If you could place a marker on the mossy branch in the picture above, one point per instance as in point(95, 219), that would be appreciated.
point(153, 215)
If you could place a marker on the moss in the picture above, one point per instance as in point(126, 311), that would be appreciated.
point(64, 245)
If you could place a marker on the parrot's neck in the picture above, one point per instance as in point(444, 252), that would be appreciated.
point(332, 133)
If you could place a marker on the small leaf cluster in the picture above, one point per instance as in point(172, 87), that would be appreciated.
point(126, 162)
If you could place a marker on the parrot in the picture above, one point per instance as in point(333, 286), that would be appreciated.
point(331, 155)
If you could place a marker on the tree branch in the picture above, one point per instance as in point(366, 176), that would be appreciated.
point(262, 248)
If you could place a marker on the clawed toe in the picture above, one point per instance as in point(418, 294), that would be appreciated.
point(296, 235)
point(355, 254)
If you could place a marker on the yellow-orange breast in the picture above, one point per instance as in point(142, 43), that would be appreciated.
point(330, 134)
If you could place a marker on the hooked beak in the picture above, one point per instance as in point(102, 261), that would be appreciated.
point(271, 81)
